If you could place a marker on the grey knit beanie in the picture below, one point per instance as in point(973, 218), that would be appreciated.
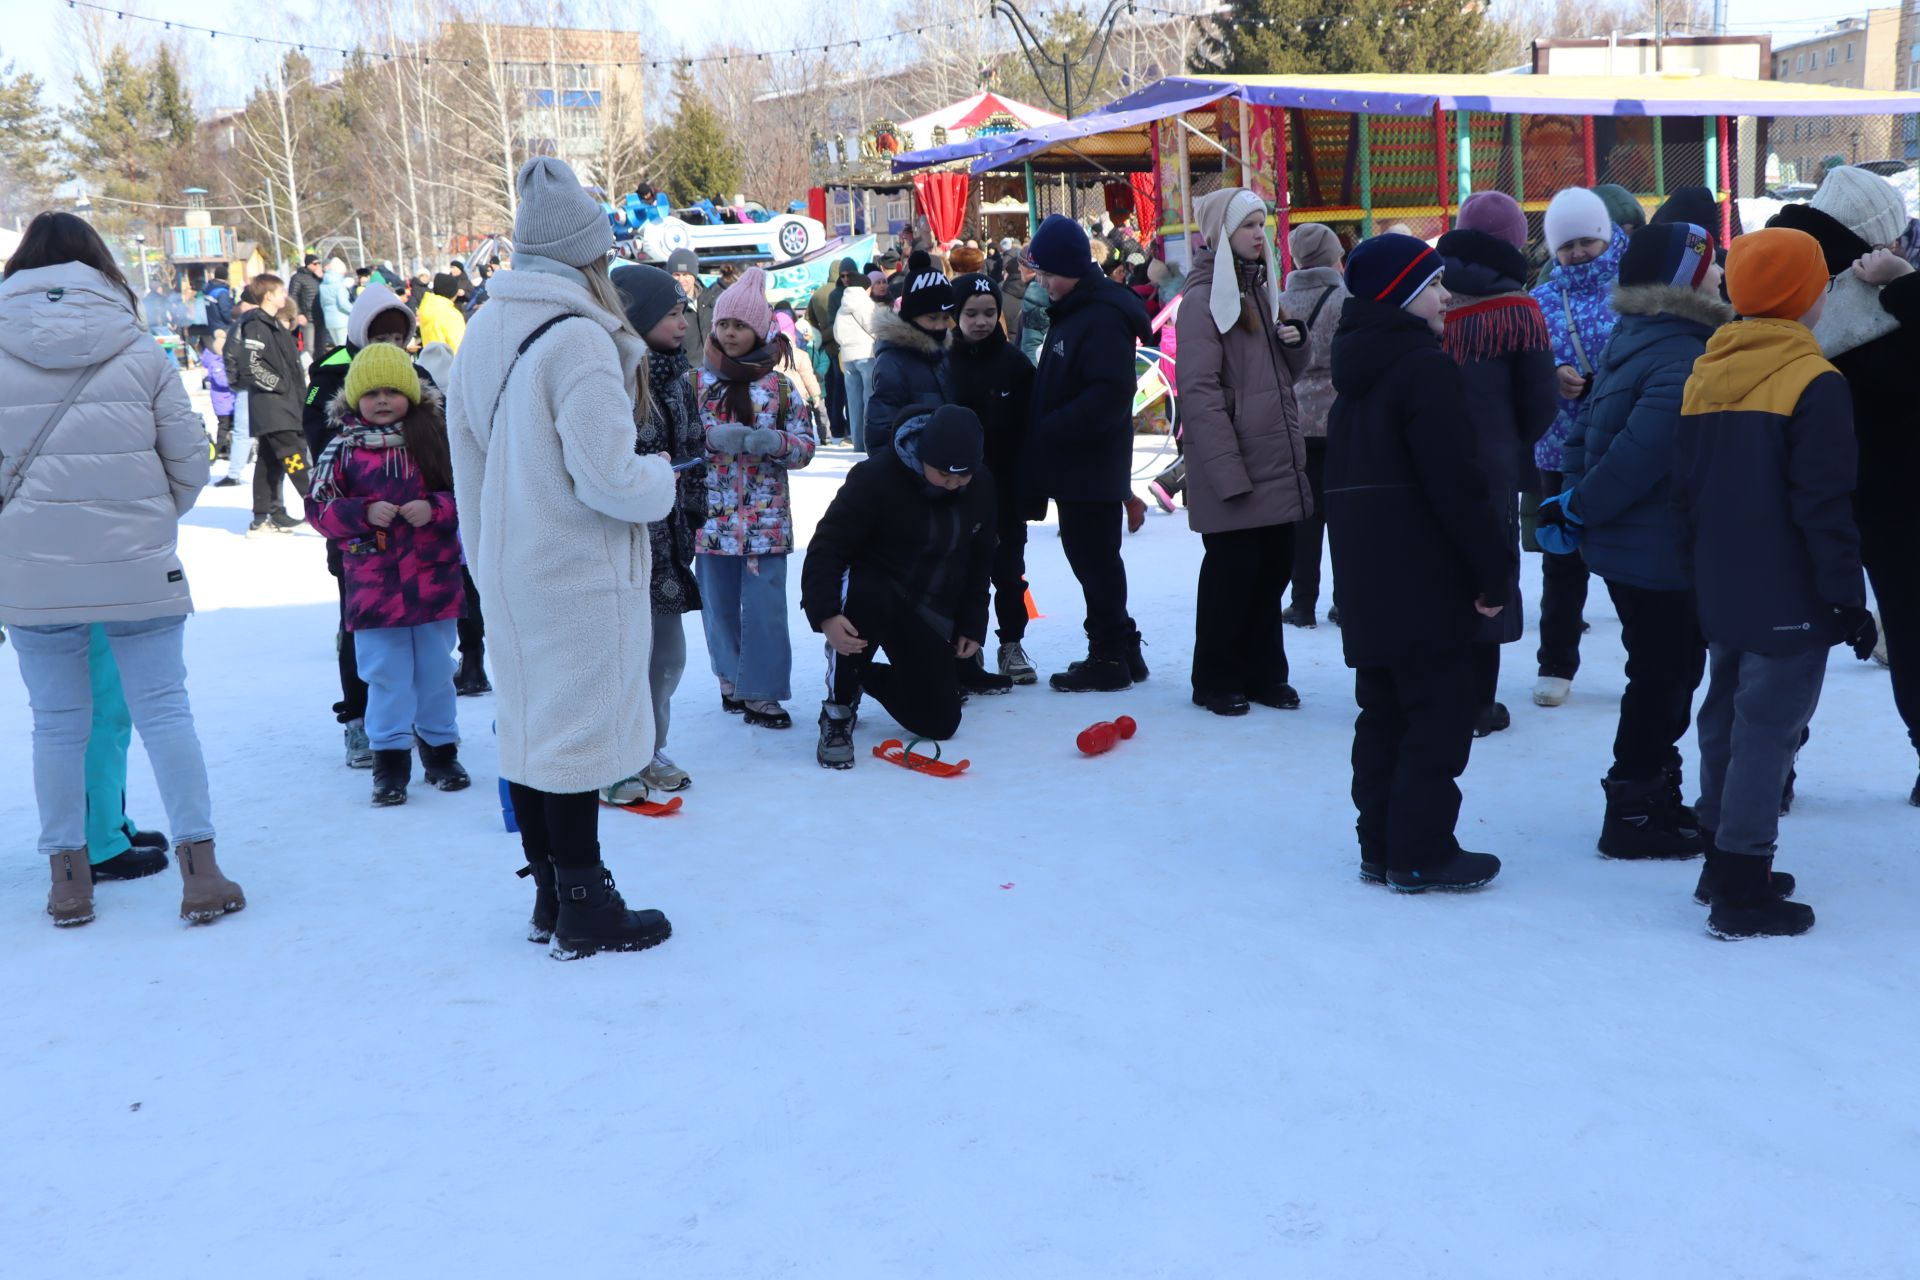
point(557, 218)
point(647, 293)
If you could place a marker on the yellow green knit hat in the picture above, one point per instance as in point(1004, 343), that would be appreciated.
point(382, 365)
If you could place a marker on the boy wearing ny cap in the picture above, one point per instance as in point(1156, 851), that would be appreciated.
point(900, 562)
point(1418, 558)
point(1764, 464)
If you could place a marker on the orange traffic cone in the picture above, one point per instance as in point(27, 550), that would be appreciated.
point(1033, 610)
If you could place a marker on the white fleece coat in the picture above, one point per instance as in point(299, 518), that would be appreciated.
point(554, 506)
point(91, 534)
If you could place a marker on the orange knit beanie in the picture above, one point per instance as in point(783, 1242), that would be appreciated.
point(1778, 272)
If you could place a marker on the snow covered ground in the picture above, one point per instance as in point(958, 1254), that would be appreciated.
point(1130, 1016)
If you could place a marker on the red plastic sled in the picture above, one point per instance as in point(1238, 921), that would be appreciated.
point(893, 751)
point(650, 808)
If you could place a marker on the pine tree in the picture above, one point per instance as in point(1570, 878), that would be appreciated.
point(695, 156)
point(1354, 36)
point(29, 137)
point(132, 134)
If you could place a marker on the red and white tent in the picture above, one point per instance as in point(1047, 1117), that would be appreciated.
point(961, 118)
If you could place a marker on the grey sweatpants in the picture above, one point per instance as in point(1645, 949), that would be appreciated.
point(1749, 726)
point(669, 662)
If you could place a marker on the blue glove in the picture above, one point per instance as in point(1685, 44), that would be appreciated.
point(764, 441)
point(1558, 527)
point(727, 437)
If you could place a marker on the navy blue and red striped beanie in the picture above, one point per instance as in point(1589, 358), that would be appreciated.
point(1392, 268)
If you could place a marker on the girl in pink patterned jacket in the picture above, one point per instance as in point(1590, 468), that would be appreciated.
point(757, 430)
point(383, 494)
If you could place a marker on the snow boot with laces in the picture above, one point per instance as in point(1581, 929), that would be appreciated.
point(1015, 665)
point(593, 917)
point(1459, 873)
point(1644, 821)
point(205, 894)
point(546, 900)
point(359, 750)
point(392, 769)
point(441, 767)
point(1744, 904)
point(836, 736)
point(70, 900)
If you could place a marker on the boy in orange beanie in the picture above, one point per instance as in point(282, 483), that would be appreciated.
point(1764, 465)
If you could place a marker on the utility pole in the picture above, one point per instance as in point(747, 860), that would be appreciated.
point(1092, 55)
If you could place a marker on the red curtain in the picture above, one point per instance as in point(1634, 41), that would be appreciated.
point(943, 198)
point(1146, 203)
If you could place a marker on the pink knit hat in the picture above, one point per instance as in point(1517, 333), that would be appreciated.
point(745, 300)
point(1496, 213)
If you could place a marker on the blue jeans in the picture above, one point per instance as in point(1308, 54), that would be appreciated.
point(108, 736)
point(857, 374)
point(151, 659)
point(745, 616)
point(242, 446)
point(409, 675)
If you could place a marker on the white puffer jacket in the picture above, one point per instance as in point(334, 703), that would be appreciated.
point(90, 536)
point(554, 506)
point(853, 327)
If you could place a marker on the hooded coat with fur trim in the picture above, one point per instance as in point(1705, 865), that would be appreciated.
point(554, 507)
point(1619, 462)
point(399, 576)
point(909, 376)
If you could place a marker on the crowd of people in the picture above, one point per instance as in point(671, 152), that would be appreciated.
point(568, 457)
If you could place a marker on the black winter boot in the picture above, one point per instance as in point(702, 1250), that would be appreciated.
point(1642, 821)
point(441, 767)
point(593, 917)
point(546, 900)
point(1779, 883)
point(1230, 703)
point(136, 862)
point(1457, 874)
point(1492, 719)
point(392, 769)
point(1281, 697)
point(1744, 902)
point(471, 680)
point(976, 679)
point(1093, 675)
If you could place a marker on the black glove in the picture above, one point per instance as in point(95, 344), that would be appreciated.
point(1857, 629)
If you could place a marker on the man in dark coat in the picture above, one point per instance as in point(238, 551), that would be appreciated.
point(684, 266)
point(265, 367)
point(1418, 558)
point(822, 307)
point(305, 292)
point(1079, 449)
point(900, 562)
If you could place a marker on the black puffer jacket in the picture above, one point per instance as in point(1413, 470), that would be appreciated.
point(304, 289)
point(265, 366)
point(936, 551)
point(908, 377)
point(994, 380)
point(1414, 535)
point(1080, 437)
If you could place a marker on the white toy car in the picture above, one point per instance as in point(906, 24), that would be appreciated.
point(783, 238)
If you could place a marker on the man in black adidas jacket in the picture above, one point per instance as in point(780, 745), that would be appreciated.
point(900, 562)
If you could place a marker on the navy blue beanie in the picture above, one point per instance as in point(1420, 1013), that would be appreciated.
point(1061, 248)
point(1392, 269)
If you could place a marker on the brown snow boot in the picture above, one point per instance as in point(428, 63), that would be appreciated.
point(70, 901)
point(206, 894)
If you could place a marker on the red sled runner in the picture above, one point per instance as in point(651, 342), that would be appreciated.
point(893, 751)
point(649, 808)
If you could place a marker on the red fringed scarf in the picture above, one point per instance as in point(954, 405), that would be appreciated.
point(1495, 327)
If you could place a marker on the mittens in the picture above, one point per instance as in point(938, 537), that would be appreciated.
point(1559, 527)
point(765, 441)
point(728, 437)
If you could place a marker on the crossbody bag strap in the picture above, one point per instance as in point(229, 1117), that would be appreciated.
point(1318, 306)
point(525, 343)
point(1573, 331)
point(22, 461)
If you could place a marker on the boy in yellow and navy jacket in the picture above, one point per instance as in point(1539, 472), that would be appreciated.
point(1764, 468)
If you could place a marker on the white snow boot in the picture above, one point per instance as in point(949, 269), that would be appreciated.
point(1551, 691)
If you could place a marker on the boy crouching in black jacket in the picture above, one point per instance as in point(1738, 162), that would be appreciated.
point(900, 562)
point(1418, 557)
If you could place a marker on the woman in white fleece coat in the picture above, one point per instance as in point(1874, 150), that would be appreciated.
point(554, 506)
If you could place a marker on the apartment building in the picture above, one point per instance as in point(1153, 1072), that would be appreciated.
point(1856, 53)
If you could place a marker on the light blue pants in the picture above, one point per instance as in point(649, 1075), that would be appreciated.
point(409, 675)
point(242, 447)
point(108, 737)
point(857, 373)
point(152, 664)
point(745, 616)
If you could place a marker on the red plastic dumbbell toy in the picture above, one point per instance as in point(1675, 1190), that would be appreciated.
point(1098, 739)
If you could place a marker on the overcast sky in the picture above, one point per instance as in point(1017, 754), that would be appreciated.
point(39, 35)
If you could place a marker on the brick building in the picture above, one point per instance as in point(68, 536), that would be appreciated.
point(1856, 53)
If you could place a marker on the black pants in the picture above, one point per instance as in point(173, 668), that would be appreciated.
point(223, 435)
point(1310, 535)
point(472, 629)
point(1666, 657)
point(1009, 575)
point(1410, 745)
point(280, 455)
point(918, 684)
point(1563, 601)
point(1895, 575)
point(836, 392)
point(353, 690)
point(561, 827)
point(1486, 674)
point(1237, 645)
point(1090, 537)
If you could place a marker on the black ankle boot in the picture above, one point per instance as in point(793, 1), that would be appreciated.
point(471, 680)
point(1779, 883)
point(593, 917)
point(391, 771)
point(546, 900)
point(1641, 822)
point(441, 767)
point(1744, 902)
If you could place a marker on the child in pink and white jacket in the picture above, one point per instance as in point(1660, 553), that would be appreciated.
point(383, 494)
point(757, 430)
